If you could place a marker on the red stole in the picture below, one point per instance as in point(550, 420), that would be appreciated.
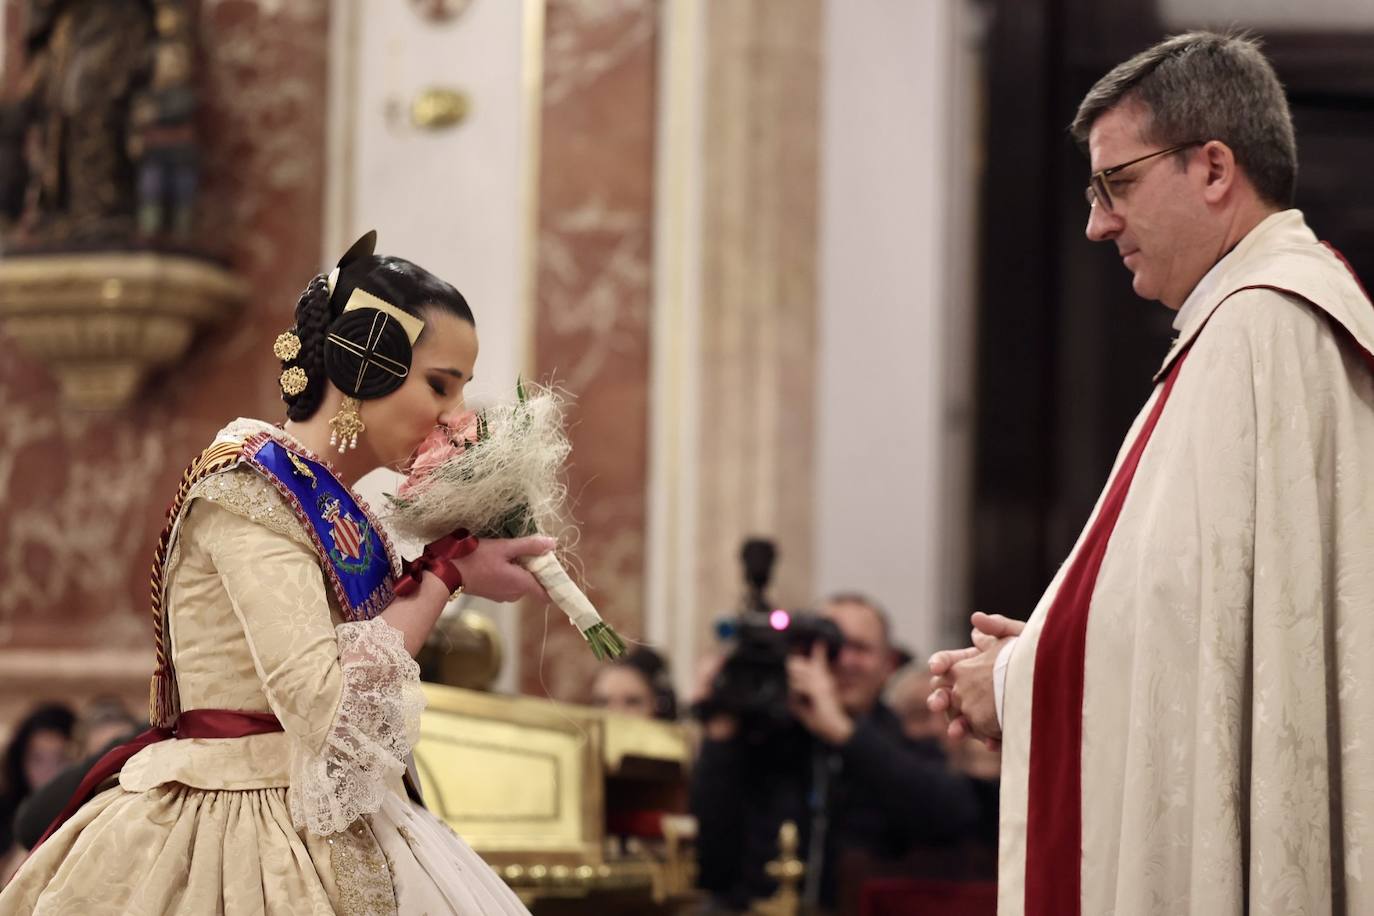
point(1054, 811)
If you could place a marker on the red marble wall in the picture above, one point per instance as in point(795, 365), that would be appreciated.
point(82, 496)
point(595, 267)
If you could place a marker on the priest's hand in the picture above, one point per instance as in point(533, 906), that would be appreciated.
point(813, 698)
point(962, 679)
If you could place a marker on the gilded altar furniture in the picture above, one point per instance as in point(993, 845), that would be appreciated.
point(547, 793)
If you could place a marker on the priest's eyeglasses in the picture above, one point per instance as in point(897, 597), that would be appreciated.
point(1099, 189)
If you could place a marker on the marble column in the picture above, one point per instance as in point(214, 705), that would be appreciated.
point(758, 297)
point(593, 283)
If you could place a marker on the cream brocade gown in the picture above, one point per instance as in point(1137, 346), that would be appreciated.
point(312, 820)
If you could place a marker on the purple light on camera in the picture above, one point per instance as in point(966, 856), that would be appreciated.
point(779, 619)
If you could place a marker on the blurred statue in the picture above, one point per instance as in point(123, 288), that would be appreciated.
point(162, 140)
point(98, 144)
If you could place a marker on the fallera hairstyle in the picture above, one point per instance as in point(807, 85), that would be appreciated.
point(402, 283)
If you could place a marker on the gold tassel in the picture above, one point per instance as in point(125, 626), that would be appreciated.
point(163, 702)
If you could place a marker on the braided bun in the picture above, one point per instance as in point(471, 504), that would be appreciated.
point(312, 323)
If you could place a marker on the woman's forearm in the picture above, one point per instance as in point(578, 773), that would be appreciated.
point(414, 615)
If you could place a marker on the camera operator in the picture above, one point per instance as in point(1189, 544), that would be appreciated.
point(844, 771)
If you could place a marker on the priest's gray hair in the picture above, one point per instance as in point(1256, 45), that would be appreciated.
point(1206, 86)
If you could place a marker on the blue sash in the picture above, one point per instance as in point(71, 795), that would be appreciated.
point(352, 550)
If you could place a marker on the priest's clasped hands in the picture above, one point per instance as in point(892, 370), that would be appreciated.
point(962, 683)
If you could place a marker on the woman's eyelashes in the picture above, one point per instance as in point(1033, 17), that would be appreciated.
point(439, 387)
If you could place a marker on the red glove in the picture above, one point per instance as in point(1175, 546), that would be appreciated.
point(438, 558)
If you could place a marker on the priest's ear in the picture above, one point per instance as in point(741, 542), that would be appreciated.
point(1222, 176)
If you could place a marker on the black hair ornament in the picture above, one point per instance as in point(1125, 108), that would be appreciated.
point(367, 348)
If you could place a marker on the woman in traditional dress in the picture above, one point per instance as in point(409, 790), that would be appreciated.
point(286, 700)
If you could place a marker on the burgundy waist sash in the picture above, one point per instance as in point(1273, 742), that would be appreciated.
point(193, 723)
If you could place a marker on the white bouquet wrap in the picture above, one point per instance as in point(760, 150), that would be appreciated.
point(498, 475)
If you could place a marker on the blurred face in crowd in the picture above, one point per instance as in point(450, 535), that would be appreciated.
point(101, 734)
point(45, 756)
point(621, 689)
point(865, 661)
point(909, 697)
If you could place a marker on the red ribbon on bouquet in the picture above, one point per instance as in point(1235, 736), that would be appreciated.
point(438, 558)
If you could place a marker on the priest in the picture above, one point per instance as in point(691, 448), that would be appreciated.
point(1187, 717)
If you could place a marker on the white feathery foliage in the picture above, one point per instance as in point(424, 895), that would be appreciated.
point(494, 486)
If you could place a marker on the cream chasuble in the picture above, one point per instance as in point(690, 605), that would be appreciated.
point(1189, 715)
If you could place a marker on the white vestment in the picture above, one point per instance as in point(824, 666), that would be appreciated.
point(1224, 757)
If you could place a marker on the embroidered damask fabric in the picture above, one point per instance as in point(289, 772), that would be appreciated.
point(311, 820)
point(1227, 690)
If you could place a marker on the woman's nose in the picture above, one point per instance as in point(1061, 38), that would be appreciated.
point(451, 416)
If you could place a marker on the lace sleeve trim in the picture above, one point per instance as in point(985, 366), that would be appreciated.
point(376, 725)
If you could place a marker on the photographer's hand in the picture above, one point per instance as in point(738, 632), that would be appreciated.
point(813, 698)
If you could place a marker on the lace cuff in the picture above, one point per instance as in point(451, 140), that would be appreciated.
point(377, 723)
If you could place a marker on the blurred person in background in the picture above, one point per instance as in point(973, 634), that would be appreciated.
point(907, 696)
point(845, 764)
point(103, 720)
point(38, 750)
point(636, 684)
point(104, 724)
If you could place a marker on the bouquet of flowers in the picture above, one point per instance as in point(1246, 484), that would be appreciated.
point(498, 474)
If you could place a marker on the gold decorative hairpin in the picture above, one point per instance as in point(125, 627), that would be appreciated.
point(287, 346)
point(294, 381)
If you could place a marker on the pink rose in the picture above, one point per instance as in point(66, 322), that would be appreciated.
point(439, 446)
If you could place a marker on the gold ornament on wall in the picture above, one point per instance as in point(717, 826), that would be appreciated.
point(437, 108)
point(440, 10)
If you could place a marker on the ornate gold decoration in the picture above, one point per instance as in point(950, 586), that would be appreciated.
point(787, 870)
point(303, 470)
point(362, 299)
point(102, 322)
point(463, 650)
point(438, 108)
point(286, 347)
point(440, 10)
point(528, 782)
point(294, 380)
point(346, 425)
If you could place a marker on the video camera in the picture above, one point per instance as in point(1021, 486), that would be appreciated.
point(752, 682)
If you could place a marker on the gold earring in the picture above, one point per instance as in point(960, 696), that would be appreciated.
point(294, 381)
point(345, 426)
point(287, 346)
